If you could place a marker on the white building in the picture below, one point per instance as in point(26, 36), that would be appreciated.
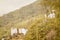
point(52, 14)
point(23, 30)
point(13, 31)
point(20, 30)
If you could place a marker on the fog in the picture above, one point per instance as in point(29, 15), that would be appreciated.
point(7, 6)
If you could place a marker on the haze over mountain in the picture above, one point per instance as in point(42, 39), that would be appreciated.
point(7, 6)
point(21, 14)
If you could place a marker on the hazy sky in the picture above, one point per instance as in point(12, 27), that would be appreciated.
point(11, 5)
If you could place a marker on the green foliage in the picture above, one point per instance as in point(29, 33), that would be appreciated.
point(32, 18)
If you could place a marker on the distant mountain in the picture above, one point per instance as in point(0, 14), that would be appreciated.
point(24, 13)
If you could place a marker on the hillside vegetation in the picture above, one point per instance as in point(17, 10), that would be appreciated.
point(32, 17)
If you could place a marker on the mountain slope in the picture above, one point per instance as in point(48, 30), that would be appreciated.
point(22, 14)
point(19, 17)
point(32, 17)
